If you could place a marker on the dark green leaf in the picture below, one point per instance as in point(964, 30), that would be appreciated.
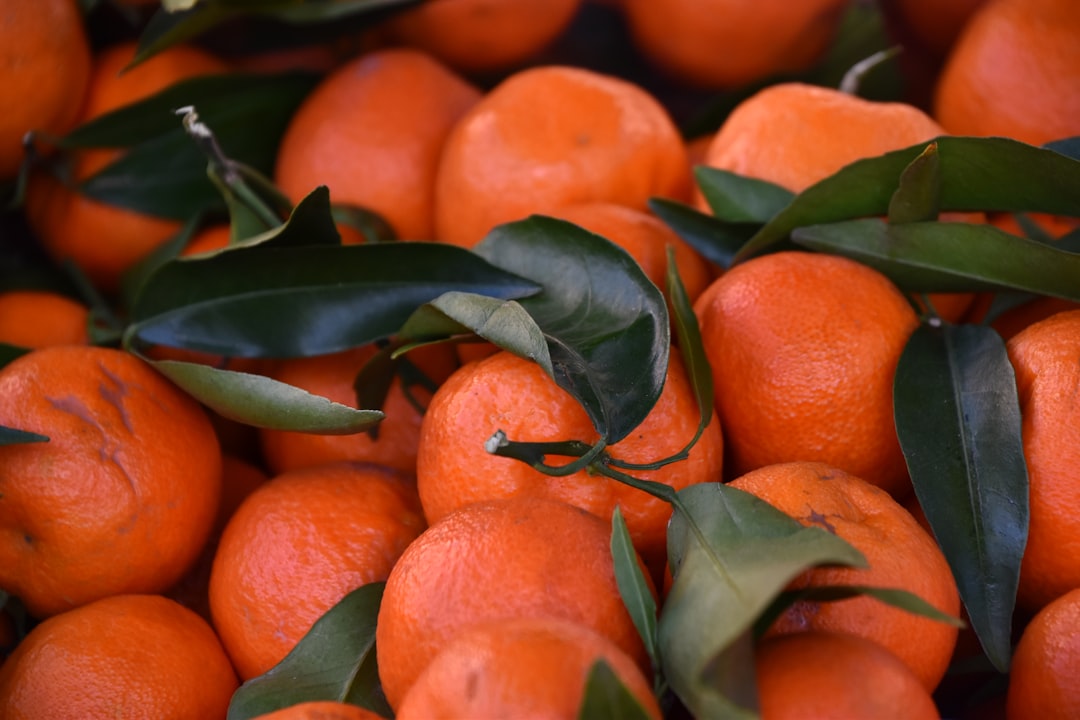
point(691, 346)
point(606, 323)
point(739, 199)
point(1066, 146)
point(715, 240)
point(163, 172)
point(310, 300)
point(166, 29)
point(958, 420)
point(950, 257)
point(13, 436)
point(334, 661)
point(263, 402)
point(917, 197)
point(606, 698)
point(991, 174)
point(503, 322)
point(731, 554)
point(9, 352)
point(635, 591)
point(903, 599)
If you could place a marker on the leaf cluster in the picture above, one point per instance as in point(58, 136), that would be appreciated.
point(580, 307)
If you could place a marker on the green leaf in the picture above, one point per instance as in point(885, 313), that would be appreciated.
point(166, 29)
point(739, 199)
point(916, 199)
point(273, 301)
point(263, 402)
point(896, 597)
point(950, 257)
point(9, 352)
point(991, 174)
point(958, 420)
point(503, 322)
point(335, 660)
point(731, 554)
point(606, 698)
point(13, 436)
point(606, 323)
point(163, 172)
point(635, 591)
point(691, 346)
point(715, 240)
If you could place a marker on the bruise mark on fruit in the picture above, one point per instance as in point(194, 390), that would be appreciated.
point(109, 450)
point(472, 683)
point(115, 395)
point(820, 520)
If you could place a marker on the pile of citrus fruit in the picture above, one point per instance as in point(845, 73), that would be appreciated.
point(540, 358)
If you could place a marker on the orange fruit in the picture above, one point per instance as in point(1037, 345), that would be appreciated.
point(935, 24)
point(121, 498)
point(296, 546)
point(646, 238)
point(453, 469)
point(803, 349)
point(1046, 663)
point(550, 136)
point(239, 478)
point(331, 376)
point(899, 552)
point(320, 710)
point(120, 656)
point(372, 132)
point(104, 240)
point(1015, 319)
point(494, 560)
point(787, 133)
point(38, 318)
point(730, 43)
point(836, 675)
point(1046, 359)
point(1013, 49)
point(45, 54)
point(520, 667)
point(481, 35)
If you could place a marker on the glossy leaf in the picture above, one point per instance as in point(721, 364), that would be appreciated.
point(606, 698)
point(745, 555)
point(966, 461)
point(976, 174)
point(896, 597)
point(715, 240)
point(335, 660)
point(691, 346)
point(9, 352)
point(264, 402)
point(739, 199)
point(917, 199)
point(286, 301)
point(14, 436)
point(635, 591)
point(503, 322)
point(606, 323)
point(163, 172)
point(950, 257)
point(166, 29)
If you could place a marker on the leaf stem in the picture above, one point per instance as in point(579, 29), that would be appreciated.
point(534, 454)
point(224, 169)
